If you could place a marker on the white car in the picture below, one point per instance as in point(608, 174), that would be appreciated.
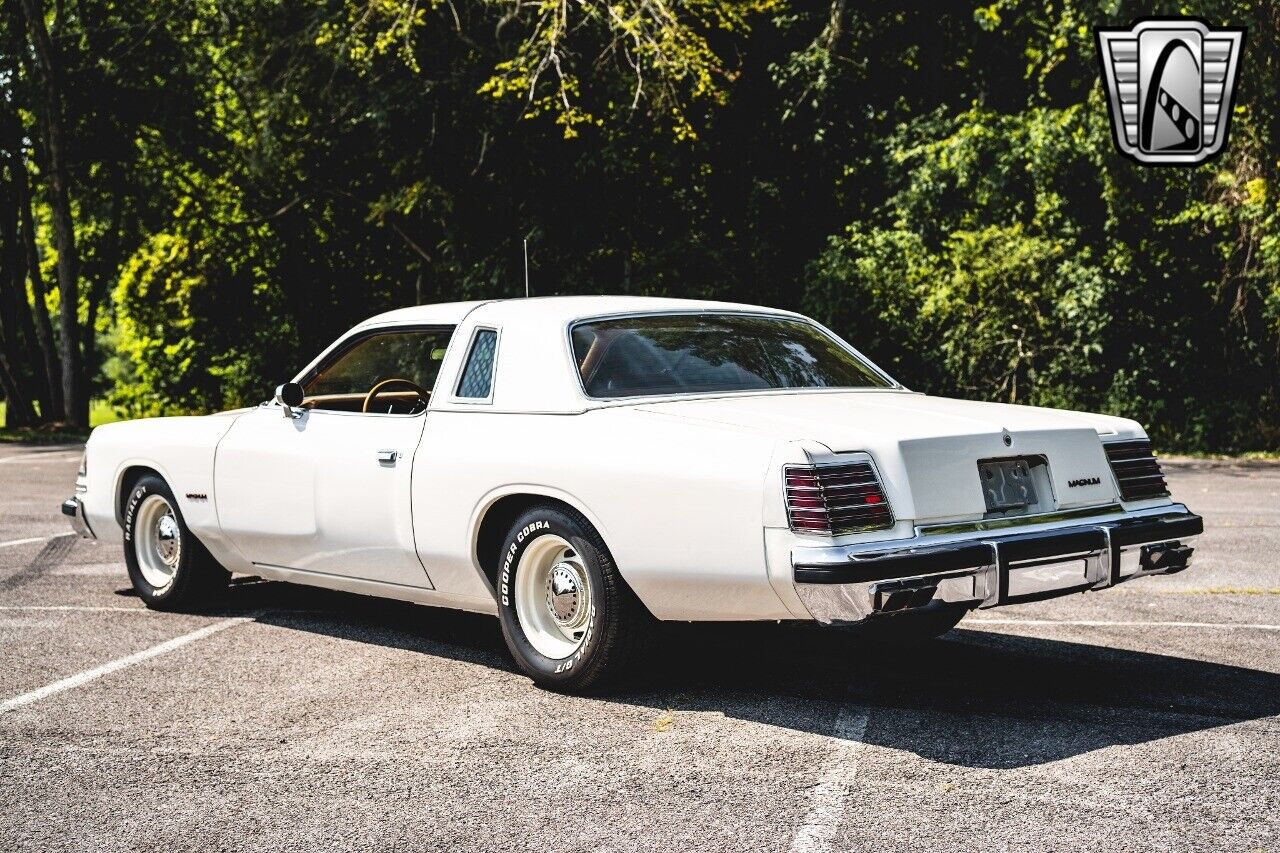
point(580, 466)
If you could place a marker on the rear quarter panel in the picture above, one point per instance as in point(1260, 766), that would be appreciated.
point(679, 503)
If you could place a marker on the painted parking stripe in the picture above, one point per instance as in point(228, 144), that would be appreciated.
point(1103, 623)
point(31, 541)
point(118, 664)
point(74, 608)
point(43, 456)
point(827, 798)
point(145, 611)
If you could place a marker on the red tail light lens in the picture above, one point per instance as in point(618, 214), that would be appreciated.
point(836, 499)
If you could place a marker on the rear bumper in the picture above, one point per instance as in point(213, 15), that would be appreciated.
point(73, 508)
point(992, 568)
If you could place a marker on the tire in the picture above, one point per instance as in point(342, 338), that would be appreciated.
point(913, 627)
point(169, 568)
point(560, 637)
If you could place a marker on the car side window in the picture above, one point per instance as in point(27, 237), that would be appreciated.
point(391, 372)
point(476, 382)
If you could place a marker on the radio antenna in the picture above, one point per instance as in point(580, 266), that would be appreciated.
point(526, 267)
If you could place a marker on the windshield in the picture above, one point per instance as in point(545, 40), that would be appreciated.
point(707, 353)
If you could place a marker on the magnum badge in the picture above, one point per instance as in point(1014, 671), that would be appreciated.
point(1169, 82)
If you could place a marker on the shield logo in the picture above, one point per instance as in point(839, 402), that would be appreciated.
point(1170, 82)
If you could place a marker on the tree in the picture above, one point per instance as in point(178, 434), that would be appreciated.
point(48, 72)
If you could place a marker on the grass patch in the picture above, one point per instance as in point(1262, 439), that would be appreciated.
point(100, 412)
point(1227, 590)
point(1249, 455)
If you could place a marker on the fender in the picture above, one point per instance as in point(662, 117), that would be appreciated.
point(499, 492)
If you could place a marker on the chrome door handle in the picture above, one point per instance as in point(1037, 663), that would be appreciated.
point(387, 457)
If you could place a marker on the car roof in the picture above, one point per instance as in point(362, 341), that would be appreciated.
point(553, 309)
point(535, 370)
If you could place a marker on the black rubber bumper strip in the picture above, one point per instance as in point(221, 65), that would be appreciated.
point(1141, 530)
point(971, 556)
point(1051, 543)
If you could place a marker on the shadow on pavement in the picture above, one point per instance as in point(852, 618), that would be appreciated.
point(972, 698)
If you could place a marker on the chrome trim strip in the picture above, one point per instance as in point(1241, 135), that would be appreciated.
point(1092, 513)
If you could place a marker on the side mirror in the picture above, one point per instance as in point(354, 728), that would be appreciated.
point(290, 396)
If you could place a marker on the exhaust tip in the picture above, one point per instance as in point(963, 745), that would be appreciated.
point(1168, 557)
point(922, 596)
point(890, 599)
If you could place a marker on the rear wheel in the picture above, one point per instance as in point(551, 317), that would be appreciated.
point(567, 616)
point(169, 568)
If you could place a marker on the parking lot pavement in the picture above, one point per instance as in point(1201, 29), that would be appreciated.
point(1146, 717)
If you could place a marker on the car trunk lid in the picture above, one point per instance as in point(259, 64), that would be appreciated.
point(928, 449)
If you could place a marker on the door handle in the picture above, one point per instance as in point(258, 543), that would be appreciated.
point(387, 457)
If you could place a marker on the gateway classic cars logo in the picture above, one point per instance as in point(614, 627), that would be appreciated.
point(1170, 82)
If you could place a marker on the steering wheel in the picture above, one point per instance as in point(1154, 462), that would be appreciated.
point(422, 393)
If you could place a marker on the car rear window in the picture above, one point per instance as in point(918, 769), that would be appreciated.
point(653, 355)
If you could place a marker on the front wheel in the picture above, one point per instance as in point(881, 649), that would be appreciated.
point(567, 616)
point(169, 568)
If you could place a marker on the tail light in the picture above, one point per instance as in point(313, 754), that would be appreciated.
point(1137, 470)
point(835, 499)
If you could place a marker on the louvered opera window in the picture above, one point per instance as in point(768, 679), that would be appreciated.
point(477, 376)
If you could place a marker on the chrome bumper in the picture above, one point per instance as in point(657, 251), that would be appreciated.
point(73, 508)
point(986, 568)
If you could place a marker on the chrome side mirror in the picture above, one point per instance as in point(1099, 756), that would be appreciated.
point(290, 396)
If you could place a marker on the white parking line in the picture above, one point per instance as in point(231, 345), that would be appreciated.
point(75, 608)
point(37, 457)
point(118, 664)
point(1102, 623)
point(826, 799)
point(13, 542)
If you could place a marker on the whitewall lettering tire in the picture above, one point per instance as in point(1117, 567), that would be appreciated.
point(568, 617)
point(169, 568)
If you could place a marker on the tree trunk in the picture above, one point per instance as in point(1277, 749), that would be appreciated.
point(18, 411)
point(13, 308)
point(101, 275)
point(51, 407)
point(40, 309)
point(76, 401)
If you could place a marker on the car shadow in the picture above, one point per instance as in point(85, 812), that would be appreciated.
point(973, 698)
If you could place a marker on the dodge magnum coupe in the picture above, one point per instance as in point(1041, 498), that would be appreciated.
point(582, 466)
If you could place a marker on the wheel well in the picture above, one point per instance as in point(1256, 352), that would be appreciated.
point(131, 475)
point(497, 522)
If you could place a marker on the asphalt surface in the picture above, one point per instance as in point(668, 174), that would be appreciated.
point(1145, 717)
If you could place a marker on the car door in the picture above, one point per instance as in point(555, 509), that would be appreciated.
point(329, 490)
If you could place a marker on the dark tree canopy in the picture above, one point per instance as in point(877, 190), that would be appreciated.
point(245, 179)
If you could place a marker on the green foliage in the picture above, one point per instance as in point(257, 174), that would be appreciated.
point(996, 289)
point(937, 181)
point(1019, 258)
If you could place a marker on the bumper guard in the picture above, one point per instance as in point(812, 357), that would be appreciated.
point(989, 569)
point(73, 508)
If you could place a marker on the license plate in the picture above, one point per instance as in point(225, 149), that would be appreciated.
point(1006, 484)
